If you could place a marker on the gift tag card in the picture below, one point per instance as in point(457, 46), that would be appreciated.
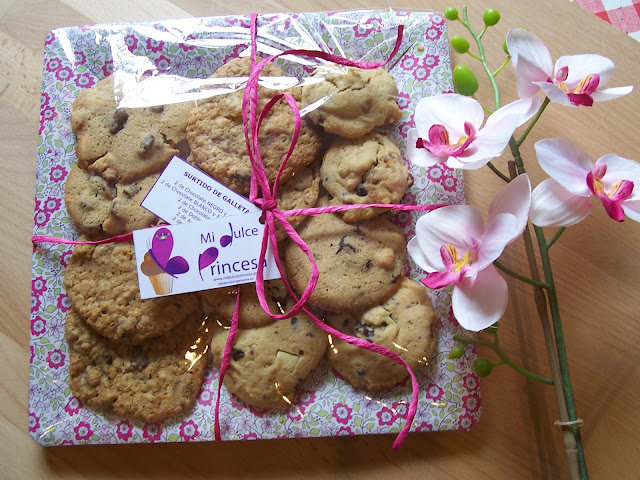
point(201, 255)
point(184, 194)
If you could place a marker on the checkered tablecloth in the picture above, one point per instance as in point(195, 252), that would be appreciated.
point(623, 14)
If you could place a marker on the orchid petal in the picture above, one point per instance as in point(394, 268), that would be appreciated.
point(501, 230)
point(632, 210)
point(515, 199)
point(566, 163)
point(450, 110)
point(618, 169)
point(418, 156)
point(531, 59)
point(494, 136)
point(554, 206)
point(447, 225)
point(579, 66)
point(555, 93)
point(611, 93)
point(481, 301)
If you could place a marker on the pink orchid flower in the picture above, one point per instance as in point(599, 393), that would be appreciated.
point(565, 198)
point(449, 130)
point(574, 80)
point(453, 245)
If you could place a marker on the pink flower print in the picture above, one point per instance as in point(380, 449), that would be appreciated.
point(235, 404)
point(421, 73)
point(35, 304)
point(63, 74)
point(107, 68)
point(189, 430)
point(409, 62)
point(424, 427)
point(154, 45)
point(471, 382)
point(434, 172)
point(345, 431)
point(433, 33)
point(450, 184)
point(185, 46)
point(235, 53)
point(32, 354)
point(58, 174)
point(403, 100)
point(386, 416)
point(434, 392)
point(296, 414)
point(48, 113)
point(368, 26)
point(55, 358)
point(163, 63)
point(124, 430)
point(44, 100)
point(466, 421)
point(83, 431)
point(38, 326)
point(402, 219)
point(452, 319)
point(73, 406)
point(52, 65)
point(471, 402)
point(437, 19)
point(404, 128)
point(250, 436)
point(152, 432)
point(41, 218)
point(409, 199)
point(52, 204)
point(65, 257)
point(64, 303)
point(34, 422)
point(49, 38)
point(38, 285)
point(342, 413)
point(79, 58)
point(131, 42)
point(401, 409)
point(306, 398)
point(205, 397)
point(430, 61)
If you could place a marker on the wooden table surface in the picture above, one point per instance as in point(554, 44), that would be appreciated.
point(597, 267)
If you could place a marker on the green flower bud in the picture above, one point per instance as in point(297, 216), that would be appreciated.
point(482, 367)
point(451, 13)
point(456, 352)
point(465, 80)
point(460, 44)
point(491, 17)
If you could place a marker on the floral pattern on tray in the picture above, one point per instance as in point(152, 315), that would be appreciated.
point(76, 58)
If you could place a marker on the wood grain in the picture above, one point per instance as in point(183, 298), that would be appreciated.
point(596, 263)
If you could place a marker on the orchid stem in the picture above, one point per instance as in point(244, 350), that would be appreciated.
point(498, 172)
point(503, 357)
point(522, 278)
point(533, 121)
point(555, 238)
point(501, 67)
point(481, 55)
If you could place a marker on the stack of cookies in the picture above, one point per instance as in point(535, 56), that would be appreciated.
point(145, 359)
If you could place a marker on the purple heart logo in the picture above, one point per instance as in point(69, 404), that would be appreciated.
point(206, 258)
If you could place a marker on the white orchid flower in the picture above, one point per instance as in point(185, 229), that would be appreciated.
point(565, 198)
point(449, 130)
point(573, 80)
point(453, 245)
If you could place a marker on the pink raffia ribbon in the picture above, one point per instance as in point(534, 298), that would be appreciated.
point(268, 203)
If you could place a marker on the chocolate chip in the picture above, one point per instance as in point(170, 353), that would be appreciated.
point(300, 352)
point(237, 354)
point(120, 117)
point(157, 108)
point(343, 244)
point(367, 265)
point(361, 373)
point(361, 191)
point(140, 363)
point(364, 330)
point(147, 143)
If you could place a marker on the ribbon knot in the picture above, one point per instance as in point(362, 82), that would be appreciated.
point(267, 204)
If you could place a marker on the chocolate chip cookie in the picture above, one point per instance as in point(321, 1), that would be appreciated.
point(368, 169)
point(405, 324)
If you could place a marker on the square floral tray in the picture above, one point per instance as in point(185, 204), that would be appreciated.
point(76, 58)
